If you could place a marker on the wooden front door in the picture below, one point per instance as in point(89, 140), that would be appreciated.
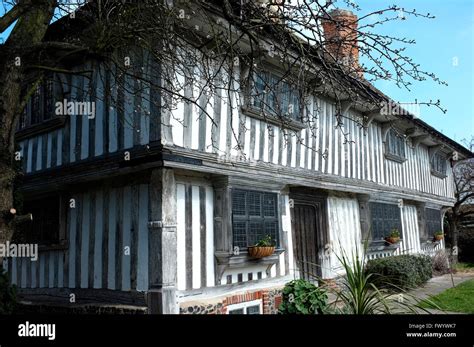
point(306, 244)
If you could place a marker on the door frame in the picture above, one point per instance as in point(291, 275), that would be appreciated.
point(317, 199)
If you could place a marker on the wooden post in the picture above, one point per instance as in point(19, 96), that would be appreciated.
point(161, 298)
point(222, 215)
point(421, 216)
point(364, 215)
point(222, 221)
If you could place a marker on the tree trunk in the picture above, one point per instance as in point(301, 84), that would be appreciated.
point(453, 228)
point(28, 31)
point(10, 79)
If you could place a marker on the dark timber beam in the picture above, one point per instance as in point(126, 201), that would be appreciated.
point(364, 215)
point(162, 248)
point(345, 106)
point(413, 132)
point(370, 116)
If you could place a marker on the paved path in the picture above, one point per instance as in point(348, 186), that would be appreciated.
point(433, 287)
point(439, 284)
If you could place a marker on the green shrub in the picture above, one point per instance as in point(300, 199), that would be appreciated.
point(303, 297)
point(425, 266)
point(403, 271)
point(7, 294)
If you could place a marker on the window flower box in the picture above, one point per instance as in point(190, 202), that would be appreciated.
point(260, 251)
point(263, 248)
point(393, 237)
point(439, 235)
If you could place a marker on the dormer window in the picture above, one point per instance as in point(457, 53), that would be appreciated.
point(395, 146)
point(438, 165)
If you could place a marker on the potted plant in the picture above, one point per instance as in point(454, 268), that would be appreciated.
point(439, 235)
point(263, 248)
point(393, 237)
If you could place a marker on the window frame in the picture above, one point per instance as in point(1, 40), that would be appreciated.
point(429, 221)
point(267, 101)
point(249, 218)
point(435, 160)
point(245, 305)
point(227, 257)
point(395, 147)
point(60, 239)
point(40, 107)
point(374, 206)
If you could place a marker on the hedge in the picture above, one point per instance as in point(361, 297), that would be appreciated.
point(403, 271)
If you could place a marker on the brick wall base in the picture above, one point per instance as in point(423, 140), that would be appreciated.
point(271, 299)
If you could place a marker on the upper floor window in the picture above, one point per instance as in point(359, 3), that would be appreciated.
point(40, 106)
point(254, 216)
point(273, 94)
point(395, 146)
point(438, 164)
point(385, 218)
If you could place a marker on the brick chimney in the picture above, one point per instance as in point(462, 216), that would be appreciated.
point(340, 35)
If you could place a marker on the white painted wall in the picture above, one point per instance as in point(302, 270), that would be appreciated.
point(357, 155)
point(344, 233)
point(410, 243)
point(202, 251)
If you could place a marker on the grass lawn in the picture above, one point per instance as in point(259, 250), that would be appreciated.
point(457, 299)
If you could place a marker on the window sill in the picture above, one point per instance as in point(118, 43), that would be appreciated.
point(431, 241)
point(283, 122)
point(395, 158)
point(33, 130)
point(438, 174)
point(382, 245)
point(226, 260)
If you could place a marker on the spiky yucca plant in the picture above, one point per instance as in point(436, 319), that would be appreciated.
point(359, 295)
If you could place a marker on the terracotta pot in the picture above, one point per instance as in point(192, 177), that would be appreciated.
point(392, 240)
point(260, 252)
point(439, 237)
